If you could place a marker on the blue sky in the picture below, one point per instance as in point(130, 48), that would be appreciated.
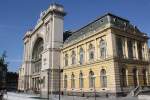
point(17, 16)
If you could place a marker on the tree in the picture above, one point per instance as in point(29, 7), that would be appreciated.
point(3, 70)
point(3, 62)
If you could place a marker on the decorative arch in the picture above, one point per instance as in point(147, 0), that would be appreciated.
point(35, 38)
point(36, 55)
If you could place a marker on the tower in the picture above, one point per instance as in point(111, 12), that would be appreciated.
point(53, 40)
point(41, 58)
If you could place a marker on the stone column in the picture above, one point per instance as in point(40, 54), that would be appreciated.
point(96, 49)
point(85, 53)
point(69, 57)
point(77, 55)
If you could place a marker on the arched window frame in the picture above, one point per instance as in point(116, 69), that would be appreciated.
point(37, 55)
point(72, 81)
point(81, 55)
point(135, 77)
point(103, 78)
point(91, 79)
point(144, 76)
point(43, 82)
point(66, 59)
point(91, 52)
point(81, 80)
point(73, 57)
point(102, 49)
point(65, 81)
point(123, 77)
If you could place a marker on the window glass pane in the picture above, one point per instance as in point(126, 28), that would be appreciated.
point(81, 56)
point(91, 79)
point(103, 78)
point(65, 81)
point(119, 46)
point(144, 77)
point(73, 57)
point(91, 52)
point(66, 60)
point(81, 80)
point(72, 81)
point(130, 49)
point(102, 49)
point(123, 77)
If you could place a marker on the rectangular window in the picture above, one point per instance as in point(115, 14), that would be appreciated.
point(130, 49)
point(119, 46)
point(43, 82)
point(139, 47)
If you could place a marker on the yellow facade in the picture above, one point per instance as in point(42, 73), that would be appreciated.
point(112, 63)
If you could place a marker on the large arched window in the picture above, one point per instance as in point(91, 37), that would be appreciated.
point(103, 78)
point(73, 57)
point(66, 59)
point(72, 81)
point(81, 53)
point(81, 81)
point(102, 49)
point(123, 77)
point(135, 77)
point(36, 55)
point(65, 81)
point(144, 77)
point(91, 79)
point(91, 52)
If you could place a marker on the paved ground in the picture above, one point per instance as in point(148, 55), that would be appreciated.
point(21, 96)
point(18, 96)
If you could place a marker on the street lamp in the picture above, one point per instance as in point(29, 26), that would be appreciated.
point(48, 83)
point(94, 88)
point(59, 81)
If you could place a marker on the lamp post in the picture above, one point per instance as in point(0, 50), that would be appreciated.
point(94, 88)
point(48, 83)
point(59, 81)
